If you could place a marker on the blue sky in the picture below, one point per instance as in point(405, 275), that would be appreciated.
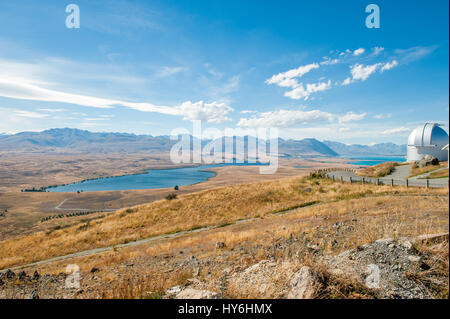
point(310, 68)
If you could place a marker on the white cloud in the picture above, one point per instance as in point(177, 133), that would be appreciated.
point(209, 112)
point(301, 92)
point(362, 72)
point(347, 81)
point(286, 79)
point(30, 114)
point(414, 53)
point(329, 61)
point(286, 118)
point(52, 110)
point(350, 116)
point(247, 112)
point(389, 65)
point(399, 130)
point(19, 89)
point(289, 118)
point(169, 71)
point(377, 50)
point(359, 51)
point(382, 116)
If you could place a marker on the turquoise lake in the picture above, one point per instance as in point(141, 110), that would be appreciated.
point(154, 178)
point(374, 160)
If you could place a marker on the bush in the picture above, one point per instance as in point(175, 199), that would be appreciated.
point(171, 196)
point(315, 175)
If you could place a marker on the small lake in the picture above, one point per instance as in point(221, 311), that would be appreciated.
point(154, 178)
point(374, 160)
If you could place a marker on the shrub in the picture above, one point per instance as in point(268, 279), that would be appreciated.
point(171, 196)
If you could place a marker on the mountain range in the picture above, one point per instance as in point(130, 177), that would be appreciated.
point(81, 140)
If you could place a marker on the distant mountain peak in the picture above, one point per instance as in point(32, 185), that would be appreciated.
point(83, 140)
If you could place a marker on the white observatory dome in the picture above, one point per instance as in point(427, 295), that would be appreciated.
point(425, 139)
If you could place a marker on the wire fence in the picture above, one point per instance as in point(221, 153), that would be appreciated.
point(348, 175)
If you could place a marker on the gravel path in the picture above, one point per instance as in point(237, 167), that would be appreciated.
point(428, 174)
point(401, 172)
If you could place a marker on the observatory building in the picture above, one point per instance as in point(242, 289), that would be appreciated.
point(429, 139)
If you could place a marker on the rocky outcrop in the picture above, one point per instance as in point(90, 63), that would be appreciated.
point(385, 265)
point(427, 160)
point(303, 284)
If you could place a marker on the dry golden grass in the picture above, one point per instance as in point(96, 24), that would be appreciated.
point(379, 170)
point(214, 207)
point(392, 215)
point(441, 174)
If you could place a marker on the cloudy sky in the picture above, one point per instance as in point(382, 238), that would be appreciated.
point(310, 68)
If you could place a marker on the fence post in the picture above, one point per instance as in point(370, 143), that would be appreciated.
point(351, 180)
point(406, 183)
point(428, 183)
point(392, 182)
point(332, 176)
point(378, 181)
point(363, 180)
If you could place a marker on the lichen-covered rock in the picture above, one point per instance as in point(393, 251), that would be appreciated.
point(302, 284)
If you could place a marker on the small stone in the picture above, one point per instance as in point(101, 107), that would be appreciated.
point(413, 259)
point(220, 245)
point(173, 290)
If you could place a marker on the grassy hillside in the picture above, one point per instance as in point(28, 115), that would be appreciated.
point(217, 207)
point(379, 170)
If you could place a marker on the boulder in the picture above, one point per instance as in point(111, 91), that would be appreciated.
point(427, 160)
point(384, 266)
point(302, 284)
